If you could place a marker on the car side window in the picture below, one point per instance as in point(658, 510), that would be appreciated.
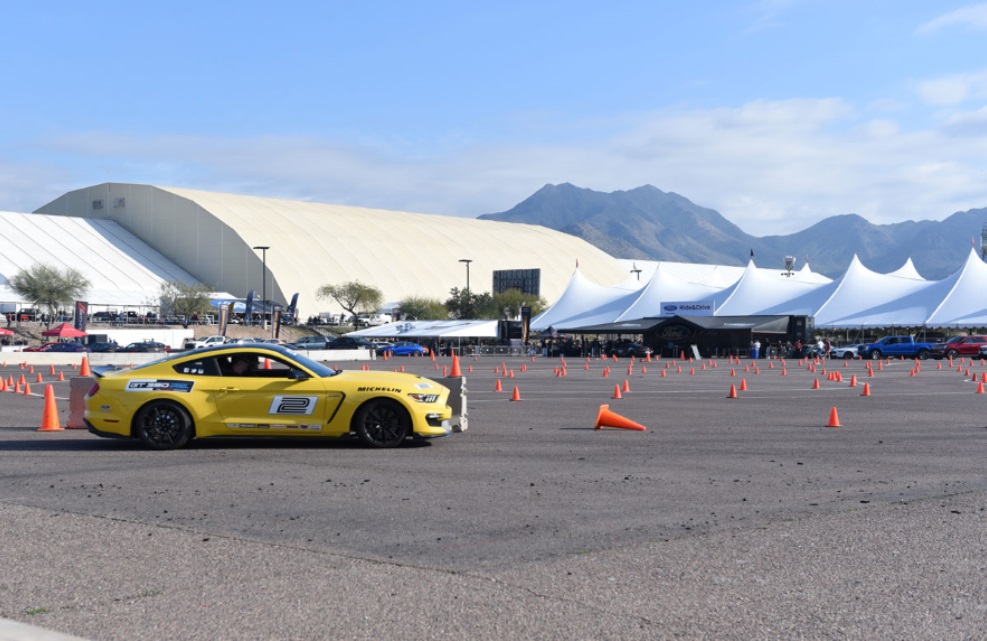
point(200, 367)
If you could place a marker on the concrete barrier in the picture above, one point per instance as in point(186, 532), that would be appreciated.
point(457, 401)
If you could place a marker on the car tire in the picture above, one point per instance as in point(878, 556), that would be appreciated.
point(951, 354)
point(874, 354)
point(382, 423)
point(163, 425)
point(923, 354)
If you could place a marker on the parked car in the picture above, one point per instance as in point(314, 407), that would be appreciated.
point(959, 346)
point(204, 341)
point(846, 351)
point(67, 347)
point(624, 350)
point(402, 348)
point(311, 342)
point(349, 342)
point(104, 346)
point(43, 347)
point(145, 346)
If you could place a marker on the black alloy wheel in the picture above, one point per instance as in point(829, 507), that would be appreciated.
point(382, 423)
point(163, 425)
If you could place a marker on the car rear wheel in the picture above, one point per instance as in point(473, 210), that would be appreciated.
point(875, 354)
point(382, 423)
point(163, 425)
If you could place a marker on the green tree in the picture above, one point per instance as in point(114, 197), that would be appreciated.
point(464, 305)
point(421, 308)
point(184, 299)
point(47, 287)
point(507, 304)
point(355, 297)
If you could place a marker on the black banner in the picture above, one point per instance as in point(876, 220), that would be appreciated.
point(276, 321)
point(525, 323)
point(81, 315)
point(249, 308)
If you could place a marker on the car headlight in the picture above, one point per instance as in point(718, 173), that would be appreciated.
point(424, 398)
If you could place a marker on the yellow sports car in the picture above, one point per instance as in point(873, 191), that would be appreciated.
point(261, 390)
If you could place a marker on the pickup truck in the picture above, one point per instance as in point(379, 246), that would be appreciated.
point(894, 346)
point(205, 341)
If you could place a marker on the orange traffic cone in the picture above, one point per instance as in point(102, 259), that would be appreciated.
point(980, 388)
point(51, 369)
point(815, 384)
point(606, 418)
point(627, 385)
point(456, 372)
point(27, 389)
point(84, 369)
point(49, 417)
point(866, 391)
point(853, 381)
point(733, 392)
point(616, 392)
point(498, 387)
point(834, 419)
point(516, 396)
point(743, 385)
point(267, 363)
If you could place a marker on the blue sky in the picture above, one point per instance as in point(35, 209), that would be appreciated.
point(777, 113)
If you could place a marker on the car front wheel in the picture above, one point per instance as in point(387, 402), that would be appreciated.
point(923, 354)
point(874, 354)
point(951, 354)
point(163, 425)
point(382, 423)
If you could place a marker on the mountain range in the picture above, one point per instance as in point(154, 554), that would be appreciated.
point(648, 223)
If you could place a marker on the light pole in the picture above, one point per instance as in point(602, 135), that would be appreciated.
point(469, 303)
point(263, 284)
point(467, 261)
point(637, 271)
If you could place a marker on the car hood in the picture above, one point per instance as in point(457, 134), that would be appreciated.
point(391, 379)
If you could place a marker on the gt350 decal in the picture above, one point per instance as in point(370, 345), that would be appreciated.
point(298, 405)
point(157, 385)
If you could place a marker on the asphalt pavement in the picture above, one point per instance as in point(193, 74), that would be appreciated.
point(728, 518)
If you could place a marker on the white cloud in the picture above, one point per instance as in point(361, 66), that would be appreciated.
point(769, 166)
point(973, 17)
point(953, 89)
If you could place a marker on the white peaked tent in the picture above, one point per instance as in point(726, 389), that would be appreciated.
point(966, 303)
point(760, 289)
point(665, 287)
point(586, 303)
point(860, 287)
point(906, 271)
point(908, 310)
point(859, 298)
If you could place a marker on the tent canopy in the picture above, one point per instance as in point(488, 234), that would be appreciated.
point(64, 331)
point(431, 329)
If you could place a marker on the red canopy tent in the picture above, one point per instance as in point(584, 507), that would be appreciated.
point(64, 331)
point(5, 332)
